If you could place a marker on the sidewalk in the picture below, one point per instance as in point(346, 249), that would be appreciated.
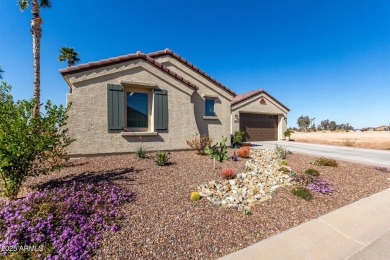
point(336, 235)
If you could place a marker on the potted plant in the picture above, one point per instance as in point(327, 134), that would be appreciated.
point(237, 139)
point(287, 134)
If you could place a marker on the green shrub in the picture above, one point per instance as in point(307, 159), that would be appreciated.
point(237, 137)
point(218, 153)
point(141, 151)
point(283, 162)
point(162, 158)
point(303, 193)
point(281, 152)
point(312, 172)
point(322, 161)
point(284, 169)
point(29, 145)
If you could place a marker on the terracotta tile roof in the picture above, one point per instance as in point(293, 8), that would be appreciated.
point(192, 66)
point(119, 59)
point(239, 98)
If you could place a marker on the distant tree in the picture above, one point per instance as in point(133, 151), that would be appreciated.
point(312, 121)
point(348, 127)
point(319, 128)
point(340, 127)
point(325, 124)
point(332, 125)
point(69, 54)
point(1, 73)
point(313, 128)
point(303, 122)
point(36, 32)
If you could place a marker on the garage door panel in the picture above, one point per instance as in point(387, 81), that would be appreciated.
point(259, 127)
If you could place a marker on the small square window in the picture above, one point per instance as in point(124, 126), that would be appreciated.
point(209, 109)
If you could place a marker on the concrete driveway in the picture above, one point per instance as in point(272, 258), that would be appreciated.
point(358, 231)
point(360, 155)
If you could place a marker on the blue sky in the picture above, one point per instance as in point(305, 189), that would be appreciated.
point(326, 59)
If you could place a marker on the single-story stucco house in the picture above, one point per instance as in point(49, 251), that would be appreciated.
point(161, 100)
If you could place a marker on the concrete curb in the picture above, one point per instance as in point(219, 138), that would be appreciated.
point(336, 235)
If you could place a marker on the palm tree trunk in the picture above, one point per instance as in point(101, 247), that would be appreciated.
point(36, 32)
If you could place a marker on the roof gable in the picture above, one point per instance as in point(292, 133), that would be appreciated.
point(192, 66)
point(240, 98)
point(124, 58)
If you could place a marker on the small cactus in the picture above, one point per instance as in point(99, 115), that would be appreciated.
point(228, 173)
point(195, 196)
point(244, 151)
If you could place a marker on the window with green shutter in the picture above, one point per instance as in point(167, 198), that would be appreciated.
point(130, 109)
point(160, 110)
point(115, 107)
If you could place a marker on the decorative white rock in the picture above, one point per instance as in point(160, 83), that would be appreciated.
point(263, 178)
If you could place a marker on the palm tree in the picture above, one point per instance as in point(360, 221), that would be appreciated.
point(1, 72)
point(36, 32)
point(68, 53)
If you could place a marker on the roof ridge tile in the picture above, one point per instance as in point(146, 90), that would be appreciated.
point(122, 58)
point(180, 58)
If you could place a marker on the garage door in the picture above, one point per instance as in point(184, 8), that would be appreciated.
point(259, 127)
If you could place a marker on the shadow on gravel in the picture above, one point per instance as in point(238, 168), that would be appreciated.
point(74, 164)
point(124, 175)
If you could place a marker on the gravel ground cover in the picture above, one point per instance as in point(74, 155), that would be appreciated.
point(164, 223)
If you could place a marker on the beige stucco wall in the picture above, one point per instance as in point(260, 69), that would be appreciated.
point(214, 128)
point(88, 116)
point(253, 105)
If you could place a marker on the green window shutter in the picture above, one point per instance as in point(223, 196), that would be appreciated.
point(160, 110)
point(115, 107)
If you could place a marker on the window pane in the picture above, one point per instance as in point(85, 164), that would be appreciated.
point(137, 110)
point(209, 111)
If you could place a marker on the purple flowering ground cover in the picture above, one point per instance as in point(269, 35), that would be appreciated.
point(320, 186)
point(64, 222)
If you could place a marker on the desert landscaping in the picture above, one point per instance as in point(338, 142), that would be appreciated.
point(160, 220)
point(368, 139)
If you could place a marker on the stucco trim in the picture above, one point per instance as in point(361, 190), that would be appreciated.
point(210, 117)
point(210, 96)
point(127, 134)
point(136, 83)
